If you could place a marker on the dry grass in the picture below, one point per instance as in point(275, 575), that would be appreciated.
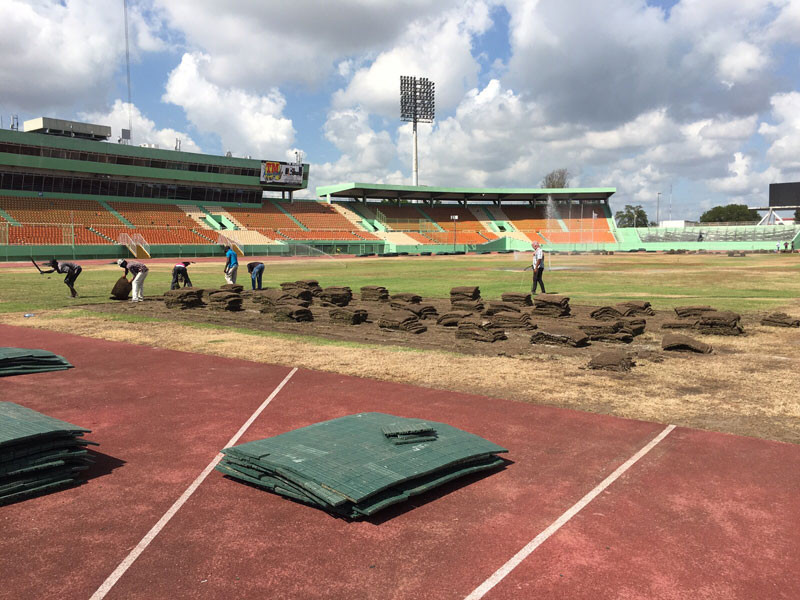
point(748, 386)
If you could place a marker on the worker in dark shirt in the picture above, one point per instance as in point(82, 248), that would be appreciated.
point(180, 273)
point(71, 270)
point(256, 270)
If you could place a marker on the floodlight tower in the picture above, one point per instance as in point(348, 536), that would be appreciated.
point(416, 105)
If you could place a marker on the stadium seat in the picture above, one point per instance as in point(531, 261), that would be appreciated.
point(467, 221)
point(53, 235)
point(460, 237)
point(153, 215)
point(257, 217)
point(57, 210)
point(317, 216)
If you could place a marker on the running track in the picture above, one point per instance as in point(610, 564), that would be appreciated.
point(699, 515)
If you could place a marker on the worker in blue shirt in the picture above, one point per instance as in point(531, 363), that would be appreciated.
point(231, 265)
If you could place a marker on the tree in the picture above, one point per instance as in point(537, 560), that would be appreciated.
point(557, 178)
point(731, 212)
point(797, 216)
point(631, 216)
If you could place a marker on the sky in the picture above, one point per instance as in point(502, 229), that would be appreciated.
point(679, 105)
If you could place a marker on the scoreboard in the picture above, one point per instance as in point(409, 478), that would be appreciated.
point(784, 194)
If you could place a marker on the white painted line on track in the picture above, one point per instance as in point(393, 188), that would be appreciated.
point(112, 579)
point(514, 561)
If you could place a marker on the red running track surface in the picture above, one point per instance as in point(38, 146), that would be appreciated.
point(701, 515)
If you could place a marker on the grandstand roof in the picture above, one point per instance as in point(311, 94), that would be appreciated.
point(376, 191)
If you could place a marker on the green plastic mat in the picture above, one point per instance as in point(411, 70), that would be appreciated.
point(38, 453)
point(22, 361)
point(359, 464)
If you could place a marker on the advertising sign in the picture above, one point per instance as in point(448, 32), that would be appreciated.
point(281, 173)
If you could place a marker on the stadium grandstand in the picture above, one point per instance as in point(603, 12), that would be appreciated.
point(65, 190)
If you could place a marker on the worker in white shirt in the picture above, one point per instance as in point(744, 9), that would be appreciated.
point(537, 267)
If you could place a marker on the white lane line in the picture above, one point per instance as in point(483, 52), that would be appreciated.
point(514, 561)
point(112, 579)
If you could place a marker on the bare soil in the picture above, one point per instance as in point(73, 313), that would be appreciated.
point(436, 337)
point(748, 386)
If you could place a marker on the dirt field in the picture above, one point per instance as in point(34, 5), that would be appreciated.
point(747, 386)
point(437, 337)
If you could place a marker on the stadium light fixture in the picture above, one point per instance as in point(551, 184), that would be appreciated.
point(417, 105)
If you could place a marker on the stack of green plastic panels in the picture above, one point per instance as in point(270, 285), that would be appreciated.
point(356, 465)
point(21, 361)
point(37, 453)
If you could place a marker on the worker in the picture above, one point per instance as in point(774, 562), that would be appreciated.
point(538, 267)
point(180, 273)
point(256, 270)
point(231, 265)
point(139, 272)
point(71, 270)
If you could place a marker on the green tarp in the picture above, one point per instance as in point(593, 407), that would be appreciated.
point(37, 453)
point(356, 465)
point(21, 361)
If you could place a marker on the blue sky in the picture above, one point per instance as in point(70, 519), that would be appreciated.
point(700, 96)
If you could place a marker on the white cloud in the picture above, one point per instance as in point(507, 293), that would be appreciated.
point(697, 152)
point(640, 58)
point(743, 181)
point(247, 124)
point(490, 140)
point(143, 130)
point(438, 48)
point(638, 186)
point(55, 56)
point(786, 24)
point(784, 152)
point(645, 130)
point(253, 44)
point(731, 129)
point(741, 62)
point(366, 154)
point(498, 138)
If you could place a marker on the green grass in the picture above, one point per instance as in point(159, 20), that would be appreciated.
point(753, 283)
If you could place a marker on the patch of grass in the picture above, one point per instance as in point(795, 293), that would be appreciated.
point(757, 282)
